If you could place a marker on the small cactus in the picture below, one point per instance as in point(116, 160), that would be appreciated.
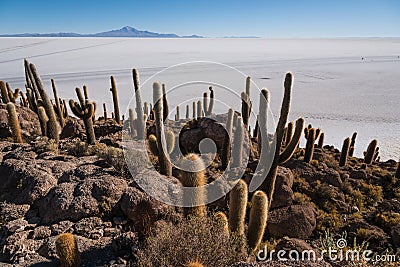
point(221, 218)
point(258, 219)
point(105, 111)
point(345, 152)
point(113, 90)
point(194, 110)
point(177, 117)
point(194, 264)
point(187, 112)
point(237, 157)
point(67, 250)
point(14, 123)
point(199, 109)
point(205, 102)
point(192, 175)
point(43, 119)
point(309, 145)
point(237, 207)
point(170, 139)
point(153, 144)
point(13, 96)
point(146, 108)
point(245, 109)
point(211, 105)
point(369, 155)
point(165, 103)
point(131, 122)
point(4, 93)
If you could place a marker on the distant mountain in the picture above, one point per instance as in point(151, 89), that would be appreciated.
point(126, 31)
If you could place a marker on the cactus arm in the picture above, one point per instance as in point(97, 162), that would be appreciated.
point(294, 142)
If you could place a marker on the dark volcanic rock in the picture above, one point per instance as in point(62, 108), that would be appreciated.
point(28, 120)
point(283, 194)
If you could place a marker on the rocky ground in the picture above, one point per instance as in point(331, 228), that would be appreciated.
point(47, 190)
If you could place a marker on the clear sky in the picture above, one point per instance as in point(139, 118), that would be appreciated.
point(217, 18)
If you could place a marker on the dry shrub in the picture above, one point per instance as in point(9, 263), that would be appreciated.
point(193, 239)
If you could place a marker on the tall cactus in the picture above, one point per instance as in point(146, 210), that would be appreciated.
point(205, 103)
point(194, 109)
point(309, 145)
point(141, 124)
point(165, 164)
point(165, 103)
point(321, 140)
point(192, 175)
point(226, 149)
point(345, 152)
point(397, 175)
point(84, 110)
point(59, 112)
point(369, 155)
point(67, 250)
point(43, 119)
point(237, 157)
point(208, 106)
point(14, 123)
point(4, 93)
point(237, 207)
point(132, 122)
point(199, 109)
point(52, 125)
point(177, 116)
point(105, 111)
point(113, 90)
point(258, 219)
point(187, 112)
point(352, 144)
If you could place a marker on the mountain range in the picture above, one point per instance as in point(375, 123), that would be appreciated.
point(126, 31)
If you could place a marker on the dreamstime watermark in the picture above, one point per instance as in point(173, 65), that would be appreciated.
point(184, 85)
point(341, 252)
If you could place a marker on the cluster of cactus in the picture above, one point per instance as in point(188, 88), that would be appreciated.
point(238, 199)
point(192, 175)
point(67, 250)
point(84, 109)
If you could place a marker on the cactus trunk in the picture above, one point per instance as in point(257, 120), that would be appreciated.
point(113, 90)
point(258, 219)
point(345, 152)
point(237, 207)
point(14, 123)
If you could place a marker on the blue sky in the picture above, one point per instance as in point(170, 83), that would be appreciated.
point(290, 18)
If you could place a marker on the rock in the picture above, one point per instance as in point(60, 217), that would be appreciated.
point(332, 177)
point(74, 201)
point(125, 243)
point(41, 232)
point(296, 244)
point(28, 120)
point(61, 227)
point(297, 221)
point(395, 235)
point(283, 194)
point(89, 227)
point(73, 128)
point(358, 174)
point(10, 211)
point(17, 246)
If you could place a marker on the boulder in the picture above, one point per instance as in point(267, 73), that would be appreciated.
point(28, 120)
point(283, 194)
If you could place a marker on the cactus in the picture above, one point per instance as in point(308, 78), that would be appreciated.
point(199, 109)
point(131, 122)
point(65, 109)
point(258, 219)
point(221, 218)
point(317, 133)
point(192, 175)
point(177, 117)
point(43, 119)
point(237, 157)
point(376, 154)
point(52, 125)
point(13, 96)
point(256, 129)
point(290, 148)
point(288, 133)
point(14, 123)
point(146, 108)
point(113, 90)
point(309, 145)
point(194, 264)
point(141, 123)
point(321, 140)
point(84, 110)
point(397, 175)
point(263, 122)
point(352, 144)
point(205, 103)
point(187, 112)
point(211, 105)
point(24, 100)
point(58, 110)
point(165, 103)
point(237, 207)
point(4, 93)
point(67, 250)
point(105, 111)
point(245, 109)
point(165, 164)
point(226, 149)
point(194, 110)
point(153, 144)
point(170, 139)
point(345, 152)
point(369, 155)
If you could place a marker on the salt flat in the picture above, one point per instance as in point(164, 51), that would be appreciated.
point(334, 88)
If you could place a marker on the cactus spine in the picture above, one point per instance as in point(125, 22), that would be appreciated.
point(4, 93)
point(290, 148)
point(192, 175)
point(345, 152)
point(369, 155)
point(165, 164)
point(84, 110)
point(141, 123)
point(258, 219)
point(67, 250)
point(14, 123)
point(59, 112)
point(237, 207)
point(52, 125)
point(309, 145)
point(113, 90)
